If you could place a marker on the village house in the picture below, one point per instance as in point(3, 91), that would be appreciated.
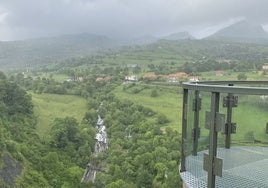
point(132, 65)
point(193, 79)
point(131, 78)
point(149, 76)
point(78, 79)
point(265, 66)
point(220, 60)
point(103, 79)
point(177, 77)
point(219, 73)
point(69, 80)
point(99, 79)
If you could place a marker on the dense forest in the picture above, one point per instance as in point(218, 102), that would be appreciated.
point(139, 154)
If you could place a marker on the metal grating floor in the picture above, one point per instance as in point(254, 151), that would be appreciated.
point(242, 167)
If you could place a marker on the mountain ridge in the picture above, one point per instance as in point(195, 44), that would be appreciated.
point(178, 36)
point(17, 54)
point(42, 51)
point(242, 31)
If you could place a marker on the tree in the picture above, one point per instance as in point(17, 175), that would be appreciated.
point(144, 177)
point(162, 118)
point(64, 131)
point(154, 93)
point(73, 177)
point(32, 178)
point(242, 76)
point(120, 184)
point(16, 99)
point(90, 117)
point(2, 75)
point(53, 169)
point(161, 169)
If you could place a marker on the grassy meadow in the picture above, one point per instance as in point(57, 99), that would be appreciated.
point(231, 75)
point(47, 107)
point(251, 117)
point(167, 101)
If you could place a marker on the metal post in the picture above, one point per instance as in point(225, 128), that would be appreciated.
point(184, 130)
point(229, 122)
point(196, 129)
point(213, 136)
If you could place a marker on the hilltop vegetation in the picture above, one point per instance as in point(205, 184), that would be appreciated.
point(36, 52)
point(166, 57)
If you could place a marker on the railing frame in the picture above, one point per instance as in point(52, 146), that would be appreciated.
point(212, 164)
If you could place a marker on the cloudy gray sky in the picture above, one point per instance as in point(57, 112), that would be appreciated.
point(22, 19)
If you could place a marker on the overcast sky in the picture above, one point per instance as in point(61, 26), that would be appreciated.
point(22, 19)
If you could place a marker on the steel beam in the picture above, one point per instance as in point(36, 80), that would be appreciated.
point(184, 130)
point(229, 122)
point(196, 129)
point(213, 137)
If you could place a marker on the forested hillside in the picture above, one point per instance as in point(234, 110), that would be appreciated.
point(57, 51)
point(35, 52)
point(29, 161)
point(167, 57)
point(140, 154)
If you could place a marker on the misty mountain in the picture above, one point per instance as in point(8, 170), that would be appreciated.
point(43, 51)
point(146, 39)
point(243, 31)
point(27, 53)
point(178, 36)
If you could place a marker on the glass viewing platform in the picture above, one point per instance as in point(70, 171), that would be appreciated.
point(225, 134)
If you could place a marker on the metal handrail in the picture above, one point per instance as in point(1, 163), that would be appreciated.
point(223, 87)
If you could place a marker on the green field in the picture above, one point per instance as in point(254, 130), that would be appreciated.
point(230, 75)
point(47, 107)
point(168, 101)
point(251, 117)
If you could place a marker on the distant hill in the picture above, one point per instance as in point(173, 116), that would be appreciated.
point(43, 51)
point(197, 51)
point(178, 36)
point(27, 53)
point(243, 31)
point(147, 39)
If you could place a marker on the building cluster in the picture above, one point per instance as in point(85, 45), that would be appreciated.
point(171, 78)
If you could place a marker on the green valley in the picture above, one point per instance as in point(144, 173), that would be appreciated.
point(48, 107)
point(135, 92)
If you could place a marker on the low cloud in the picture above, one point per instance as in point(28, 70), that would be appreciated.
point(123, 18)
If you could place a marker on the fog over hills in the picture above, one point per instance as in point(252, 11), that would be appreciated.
point(28, 53)
point(241, 31)
point(43, 51)
point(178, 36)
